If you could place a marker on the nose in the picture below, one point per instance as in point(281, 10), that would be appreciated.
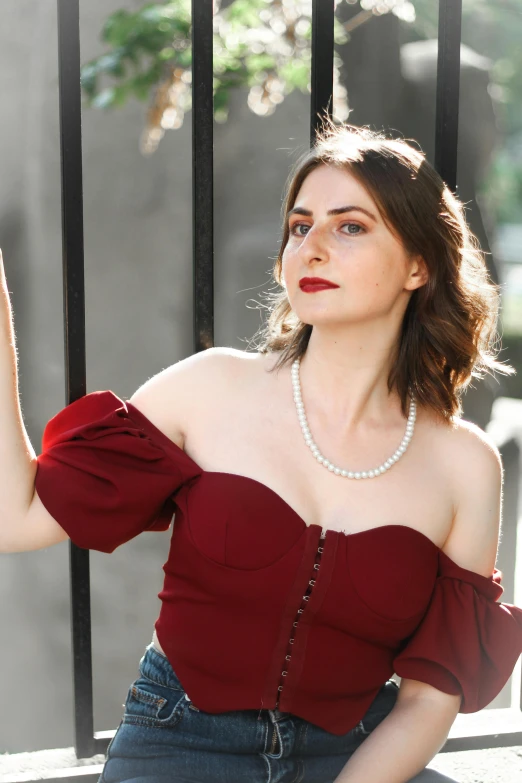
point(314, 246)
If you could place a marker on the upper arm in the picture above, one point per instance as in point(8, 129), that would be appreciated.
point(474, 536)
point(37, 530)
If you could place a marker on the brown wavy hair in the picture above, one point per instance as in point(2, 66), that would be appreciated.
point(449, 330)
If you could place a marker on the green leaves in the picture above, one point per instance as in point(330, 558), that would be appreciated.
point(245, 13)
point(117, 28)
point(264, 45)
point(296, 73)
point(261, 44)
point(142, 42)
point(111, 96)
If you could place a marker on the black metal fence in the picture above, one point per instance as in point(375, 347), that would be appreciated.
point(87, 741)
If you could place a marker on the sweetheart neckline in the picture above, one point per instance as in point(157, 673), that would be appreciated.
point(150, 429)
point(474, 574)
point(313, 524)
point(329, 531)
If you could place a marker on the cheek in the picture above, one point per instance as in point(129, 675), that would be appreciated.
point(367, 273)
point(289, 251)
point(288, 262)
point(373, 285)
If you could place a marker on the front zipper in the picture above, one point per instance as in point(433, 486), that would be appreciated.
point(274, 741)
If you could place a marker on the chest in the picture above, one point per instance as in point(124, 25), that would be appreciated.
point(258, 436)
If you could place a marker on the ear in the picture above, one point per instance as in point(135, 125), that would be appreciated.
point(419, 274)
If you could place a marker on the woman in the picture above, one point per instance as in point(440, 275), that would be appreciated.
point(301, 577)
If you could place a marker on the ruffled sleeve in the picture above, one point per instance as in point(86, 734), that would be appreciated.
point(107, 473)
point(467, 642)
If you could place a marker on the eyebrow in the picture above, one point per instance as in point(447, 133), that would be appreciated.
point(336, 211)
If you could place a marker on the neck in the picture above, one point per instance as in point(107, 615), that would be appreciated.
point(344, 381)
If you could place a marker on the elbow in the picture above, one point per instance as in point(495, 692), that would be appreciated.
point(417, 692)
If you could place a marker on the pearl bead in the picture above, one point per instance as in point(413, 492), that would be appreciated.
point(325, 462)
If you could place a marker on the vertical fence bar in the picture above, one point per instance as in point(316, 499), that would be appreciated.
point(74, 336)
point(203, 172)
point(448, 88)
point(321, 100)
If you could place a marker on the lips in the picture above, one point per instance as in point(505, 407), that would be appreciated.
point(315, 284)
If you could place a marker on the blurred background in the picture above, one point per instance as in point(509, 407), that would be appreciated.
point(138, 252)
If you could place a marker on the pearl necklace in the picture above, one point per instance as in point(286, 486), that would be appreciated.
point(326, 463)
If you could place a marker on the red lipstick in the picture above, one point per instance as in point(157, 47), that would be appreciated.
point(311, 284)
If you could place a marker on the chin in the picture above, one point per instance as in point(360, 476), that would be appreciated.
point(317, 319)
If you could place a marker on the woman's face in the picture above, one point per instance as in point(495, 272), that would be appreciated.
point(337, 233)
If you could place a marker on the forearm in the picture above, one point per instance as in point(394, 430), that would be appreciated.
point(17, 456)
point(402, 744)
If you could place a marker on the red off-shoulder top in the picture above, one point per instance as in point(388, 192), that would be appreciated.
point(260, 610)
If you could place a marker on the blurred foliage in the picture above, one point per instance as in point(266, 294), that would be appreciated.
point(265, 45)
point(262, 44)
point(493, 28)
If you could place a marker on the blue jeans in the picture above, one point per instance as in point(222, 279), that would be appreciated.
point(164, 737)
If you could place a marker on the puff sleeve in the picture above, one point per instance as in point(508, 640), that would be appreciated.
point(467, 642)
point(106, 472)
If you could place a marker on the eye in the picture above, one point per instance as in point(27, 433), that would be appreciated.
point(356, 226)
point(294, 228)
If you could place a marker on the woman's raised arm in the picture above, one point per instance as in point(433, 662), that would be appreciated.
point(17, 456)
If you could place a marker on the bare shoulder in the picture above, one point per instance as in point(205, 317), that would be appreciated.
point(465, 448)
point(476, 469)
point(476, 448)
point(170, 400)
point(172, 397)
